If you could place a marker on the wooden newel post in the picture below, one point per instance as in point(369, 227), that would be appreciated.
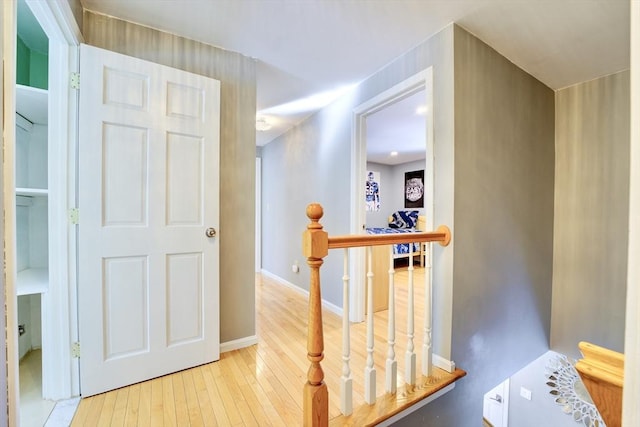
point(315, 246)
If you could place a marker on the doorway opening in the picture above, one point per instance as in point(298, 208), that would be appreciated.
point(40, 303)
point(32, 207)
point(495, 406)
point(393, 102)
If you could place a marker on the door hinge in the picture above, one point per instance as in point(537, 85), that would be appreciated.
point(74, 216)
point(75, 350)
point(75, 80)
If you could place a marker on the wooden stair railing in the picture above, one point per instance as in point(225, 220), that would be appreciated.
point(602, 372)
point(315, 246)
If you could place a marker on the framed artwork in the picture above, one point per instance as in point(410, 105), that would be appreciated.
point(414, 189)
point(372, 191)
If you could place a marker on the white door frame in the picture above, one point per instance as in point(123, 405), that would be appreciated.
point(415, 83)
point(630, 415)
point(9, 25)
point(500, 394)
point(258, 214)
point(60, 372)
point(60, 26)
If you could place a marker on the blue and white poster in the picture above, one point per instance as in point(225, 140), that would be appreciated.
point(372, 191)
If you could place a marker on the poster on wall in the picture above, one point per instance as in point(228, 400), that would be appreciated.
point(414, 189)
point(372, 191)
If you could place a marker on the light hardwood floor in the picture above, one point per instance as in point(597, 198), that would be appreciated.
point(262, 384)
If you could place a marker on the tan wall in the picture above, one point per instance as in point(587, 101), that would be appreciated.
point(76, 9)
point(237, 75)
point(504, 163)
point(591, 214)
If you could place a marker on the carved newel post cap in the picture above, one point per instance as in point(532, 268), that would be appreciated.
point(314, 239)
point(314, 212)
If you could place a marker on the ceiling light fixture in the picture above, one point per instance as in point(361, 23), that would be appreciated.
point(421, 110)
point(394, 154)
point(262, 124)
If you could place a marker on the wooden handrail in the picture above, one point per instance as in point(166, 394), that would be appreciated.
point(442, 235)
point(602, 372)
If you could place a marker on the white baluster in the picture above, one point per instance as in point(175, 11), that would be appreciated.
point(410, 355)
point(426, 341)
point(346, 382)
point(370, 370)
point(392, 365)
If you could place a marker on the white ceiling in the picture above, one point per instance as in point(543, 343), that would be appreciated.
point(399, 127)
point(306, 47)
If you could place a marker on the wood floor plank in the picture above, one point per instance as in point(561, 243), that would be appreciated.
point(205, 404)
point(228, 401)
point(214, 397)
point(260, 404)
point(157, 403)
point(179, 398)
point(120, 407)
point(191, 397)
point(106, 414)
point(246, 414)
point(94, 405)
point(132, 406)
point(234, 381)
point(144, 405)
point(169, 417)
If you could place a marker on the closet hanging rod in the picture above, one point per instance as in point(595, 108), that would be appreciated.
point(23, 122)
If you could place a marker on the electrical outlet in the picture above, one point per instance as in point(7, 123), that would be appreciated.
point(525, 393)
point(295, 267)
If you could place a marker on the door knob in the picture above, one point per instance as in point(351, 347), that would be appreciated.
point(210, 232)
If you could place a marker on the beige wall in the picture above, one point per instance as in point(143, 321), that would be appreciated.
point(76, 9)
point(591, 214)
point(237, 75)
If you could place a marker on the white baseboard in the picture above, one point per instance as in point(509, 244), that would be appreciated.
point(325, 304)
point(239, 343)
point(444, 364)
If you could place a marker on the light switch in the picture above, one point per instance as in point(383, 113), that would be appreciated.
point(525, 393)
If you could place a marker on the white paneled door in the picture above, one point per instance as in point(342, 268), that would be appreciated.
point(148, 281)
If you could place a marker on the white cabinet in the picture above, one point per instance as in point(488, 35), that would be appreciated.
point(31, 190)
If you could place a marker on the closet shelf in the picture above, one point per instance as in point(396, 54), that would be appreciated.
point(31, 103)
point(32, 281)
